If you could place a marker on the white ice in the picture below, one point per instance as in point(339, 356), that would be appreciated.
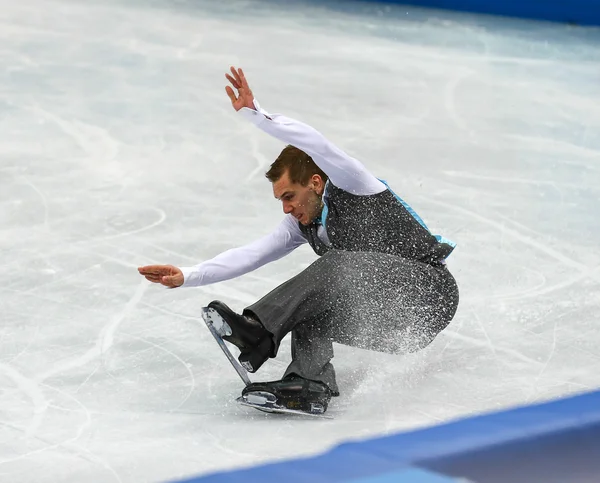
point(119, 148)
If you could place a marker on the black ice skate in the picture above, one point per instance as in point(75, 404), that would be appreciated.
point(292, 394)
point(248, 334)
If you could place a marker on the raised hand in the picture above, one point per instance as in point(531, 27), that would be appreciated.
point(243, 97)
point(166, 275)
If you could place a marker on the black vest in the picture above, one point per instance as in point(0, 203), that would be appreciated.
point(373, 223)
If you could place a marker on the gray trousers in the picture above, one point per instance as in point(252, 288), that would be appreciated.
point(369, 300)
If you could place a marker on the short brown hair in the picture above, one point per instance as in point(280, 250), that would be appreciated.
point(299, 166)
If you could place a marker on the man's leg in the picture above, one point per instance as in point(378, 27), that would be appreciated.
point(312, 351)
point(363, 299)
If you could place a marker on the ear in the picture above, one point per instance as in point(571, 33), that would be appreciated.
point(317, 183)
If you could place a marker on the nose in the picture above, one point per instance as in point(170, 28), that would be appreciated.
point(287, 208)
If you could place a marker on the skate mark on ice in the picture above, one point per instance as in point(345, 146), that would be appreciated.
point(88, 377)
point(162, 216)
point(42, 197)
point(109, 258)
point(69, 276)
point(70, 448)
point(427, 415)
point(84, 426)
point(107, 335)
point(237, 295)
point(90, 138)
point(534, 387)
point(520, 293)
point(32, 389)
point(585, 269)
point(160, 347)
point(546, 289)
point(453, 332)
point(85, 239)
point(519, 235)
point(88, 419)
point(32, 294)
point(526, 181)
point(171, 313)
point(478, 343)
point(554, 382)
point(31, 386)
point(170, 252)
point(571, 345)
point(30, 341)
point(578, 348)
point(558, 146)
point(88, 455)
point(221, 442)
point(105, 339)
point(489, 344)
point(261, 161)
point(450, 98)
point(68, 445)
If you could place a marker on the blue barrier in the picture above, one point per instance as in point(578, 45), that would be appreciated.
point(550, 442)
point(580, 12)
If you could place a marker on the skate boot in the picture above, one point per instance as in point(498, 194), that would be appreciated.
point(247, 334)
point(291, 392)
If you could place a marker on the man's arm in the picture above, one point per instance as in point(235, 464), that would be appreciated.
point(235, 262)
point(238, 261)
point(344, 171)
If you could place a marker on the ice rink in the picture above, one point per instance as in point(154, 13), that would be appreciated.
point(119, 148)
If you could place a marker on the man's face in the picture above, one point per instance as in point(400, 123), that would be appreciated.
point(303, 202)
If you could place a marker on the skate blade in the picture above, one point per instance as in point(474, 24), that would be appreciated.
point(266, 402)
point(213, 318)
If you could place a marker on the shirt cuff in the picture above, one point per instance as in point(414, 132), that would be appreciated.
point(256, 115)
point(191, 277)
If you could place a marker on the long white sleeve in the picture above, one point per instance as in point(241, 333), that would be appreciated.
point(344, 171)
point(238, 261)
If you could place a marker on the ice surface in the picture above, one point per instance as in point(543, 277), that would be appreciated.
point(119, 148)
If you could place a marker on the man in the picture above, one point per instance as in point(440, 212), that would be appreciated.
point(380, 283)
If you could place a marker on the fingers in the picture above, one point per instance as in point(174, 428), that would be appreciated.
point(152, 273)
point(167, 281)
point(166, 275)
point(170, 282)
point(231, 94)
point(243, 80)
point(153, 269)
point(239, 81)
point(236, 75)
point(234, 83)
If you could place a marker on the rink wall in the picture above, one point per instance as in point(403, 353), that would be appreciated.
point(552, 442)
point(579, 12)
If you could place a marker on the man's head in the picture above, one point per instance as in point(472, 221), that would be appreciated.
point(299, 183)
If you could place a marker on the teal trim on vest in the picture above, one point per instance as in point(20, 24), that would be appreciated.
point(442, 239)
point(413, 213)
point(325, 209)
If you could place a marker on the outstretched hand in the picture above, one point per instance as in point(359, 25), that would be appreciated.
point(167, 275)
point(244, 96)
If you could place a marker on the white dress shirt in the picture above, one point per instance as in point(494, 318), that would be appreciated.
point(344, 172)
